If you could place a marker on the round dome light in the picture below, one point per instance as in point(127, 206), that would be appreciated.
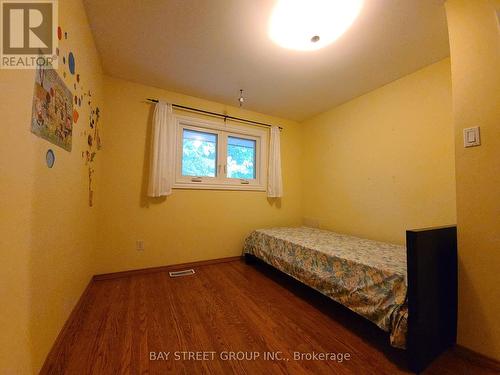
point(311, 24)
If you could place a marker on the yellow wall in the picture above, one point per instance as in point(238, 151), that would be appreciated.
point(475, 56)
point(383, 162)
point(189, 225)
point(47, 231)
point(374, 166)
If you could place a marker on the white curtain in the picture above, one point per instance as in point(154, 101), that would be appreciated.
point(274, 181)
point(161, 169)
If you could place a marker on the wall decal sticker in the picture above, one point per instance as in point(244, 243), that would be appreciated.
point(71, 63)
point(91, 192)
point(50, 158)
point(83, 105)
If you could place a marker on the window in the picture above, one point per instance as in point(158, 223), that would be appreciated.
point(210, 155)
point(241, 158)
point(199, 153)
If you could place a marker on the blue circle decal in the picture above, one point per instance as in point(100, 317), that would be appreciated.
point(71, 63)
point(50, 158)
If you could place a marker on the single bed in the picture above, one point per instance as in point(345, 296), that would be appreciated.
point(409, 292)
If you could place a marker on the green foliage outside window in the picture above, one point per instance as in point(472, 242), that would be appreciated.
point(199, 154)
point(240, 158)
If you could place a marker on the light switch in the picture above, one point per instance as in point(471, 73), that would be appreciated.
point(139, 245)
point(472, 137)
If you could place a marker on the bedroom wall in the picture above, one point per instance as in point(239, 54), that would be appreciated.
point(384, 162)
point(475, 56)
point(47, 230)
point(189, 225)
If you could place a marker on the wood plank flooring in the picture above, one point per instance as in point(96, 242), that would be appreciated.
point(227, 307)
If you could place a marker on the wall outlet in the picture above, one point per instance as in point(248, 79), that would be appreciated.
point(139, 245)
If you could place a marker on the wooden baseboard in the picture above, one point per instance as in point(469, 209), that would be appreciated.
point(477, 358)
point(142, 271)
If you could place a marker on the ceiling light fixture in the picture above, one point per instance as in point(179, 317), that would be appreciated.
point(311, 24)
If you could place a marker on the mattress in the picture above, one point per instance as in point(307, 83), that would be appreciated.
point(368, 277)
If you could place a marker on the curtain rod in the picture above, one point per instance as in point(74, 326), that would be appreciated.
point(225, 117)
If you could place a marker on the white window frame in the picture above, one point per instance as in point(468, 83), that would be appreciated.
point(223, 131)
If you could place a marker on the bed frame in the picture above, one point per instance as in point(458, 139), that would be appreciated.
point(432, 293)
point(431, 256)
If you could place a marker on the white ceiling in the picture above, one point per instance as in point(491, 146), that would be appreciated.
point(211, 49)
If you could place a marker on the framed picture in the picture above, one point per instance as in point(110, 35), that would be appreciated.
point(52, 114)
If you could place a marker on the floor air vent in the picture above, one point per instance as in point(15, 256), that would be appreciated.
point(181, 273)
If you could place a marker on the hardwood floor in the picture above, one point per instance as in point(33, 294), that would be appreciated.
point(227, 307)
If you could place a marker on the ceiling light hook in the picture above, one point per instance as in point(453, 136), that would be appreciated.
point(241, 99)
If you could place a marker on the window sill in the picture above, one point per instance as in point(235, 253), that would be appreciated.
point(202, 186)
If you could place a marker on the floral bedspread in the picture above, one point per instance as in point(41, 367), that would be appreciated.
point(368, 277)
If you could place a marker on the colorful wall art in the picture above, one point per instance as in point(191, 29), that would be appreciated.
point(83, 104)
point(61, 103)
point(52, 114)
